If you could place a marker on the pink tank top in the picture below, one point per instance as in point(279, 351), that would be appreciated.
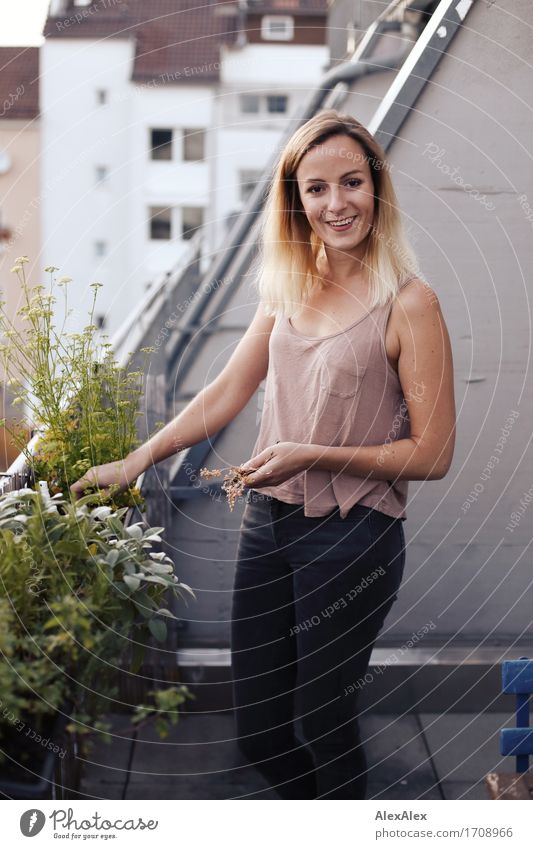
point(334, 390)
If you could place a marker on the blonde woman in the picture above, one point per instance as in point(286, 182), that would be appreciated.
point(358, 401)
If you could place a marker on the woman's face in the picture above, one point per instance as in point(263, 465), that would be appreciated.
point(337, 192)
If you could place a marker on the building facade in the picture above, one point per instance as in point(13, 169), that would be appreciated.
point(20, 191)
point(159, 119)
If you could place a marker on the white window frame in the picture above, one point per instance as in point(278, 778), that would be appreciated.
point(172, 144)
point(279, 94)
point(182, 221)
point(187, 132)
point(267, 34)
point(172, 210)
point(252, 95)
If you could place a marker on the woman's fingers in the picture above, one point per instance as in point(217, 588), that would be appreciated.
point(106, 478)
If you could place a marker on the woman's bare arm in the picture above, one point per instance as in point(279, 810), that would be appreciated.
point(209, 411)
point(218, 403)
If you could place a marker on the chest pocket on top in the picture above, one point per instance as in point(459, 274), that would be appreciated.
point(342, 379)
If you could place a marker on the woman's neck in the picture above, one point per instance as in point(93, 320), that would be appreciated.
point(344, 270)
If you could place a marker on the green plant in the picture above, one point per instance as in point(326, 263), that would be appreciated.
point(72, 389)
point(78, 588)
point(164, 709)
point(81, 592)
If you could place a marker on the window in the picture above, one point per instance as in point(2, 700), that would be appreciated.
point(249, 103)
point(161, 144)
point(270, 103)
point(160, 222)
point(100, 248)
point(247, 181)
point(351, 39)
point(277, 103)
point(192, 217)
point(101, 96)
point(101, 173)
point(277, 28)
point(5, 233)
point(193, 145)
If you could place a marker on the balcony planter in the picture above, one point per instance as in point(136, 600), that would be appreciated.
point(39, 763)
point(80, 583)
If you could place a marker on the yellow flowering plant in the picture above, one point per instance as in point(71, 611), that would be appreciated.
point(81, 591)
point(71, 388)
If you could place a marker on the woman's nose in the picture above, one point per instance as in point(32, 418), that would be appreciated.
point(336, 201)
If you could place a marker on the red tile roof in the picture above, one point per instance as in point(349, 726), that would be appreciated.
point(19, 82)
point(181, 38)
point(175, 37)
point(185, 41)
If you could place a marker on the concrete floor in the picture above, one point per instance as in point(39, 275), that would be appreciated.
point(412, 756)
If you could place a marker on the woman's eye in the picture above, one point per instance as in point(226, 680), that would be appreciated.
point(354, 183)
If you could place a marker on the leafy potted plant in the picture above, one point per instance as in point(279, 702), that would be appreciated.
point(80, 588)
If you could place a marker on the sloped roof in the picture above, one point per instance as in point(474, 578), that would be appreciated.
point(190, 38)
point(171, 36)
point(19, 82)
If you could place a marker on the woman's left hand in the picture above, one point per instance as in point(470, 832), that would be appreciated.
point(276, 464)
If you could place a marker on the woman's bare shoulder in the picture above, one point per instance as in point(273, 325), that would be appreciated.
point(416, 296)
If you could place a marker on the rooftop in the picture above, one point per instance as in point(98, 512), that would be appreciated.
point(410, 756)
point(174, 35)
point(19, 82)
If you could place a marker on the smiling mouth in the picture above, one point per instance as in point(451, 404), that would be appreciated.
point(342, 223)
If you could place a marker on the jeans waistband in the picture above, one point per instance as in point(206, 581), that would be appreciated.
point(255, 496)
point(281, 508)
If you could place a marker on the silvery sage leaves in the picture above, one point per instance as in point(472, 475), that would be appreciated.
point(76, 535)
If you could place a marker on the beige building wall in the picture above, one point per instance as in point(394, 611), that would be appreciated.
point(21, 233)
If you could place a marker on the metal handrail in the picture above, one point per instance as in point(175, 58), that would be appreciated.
point(162, 288)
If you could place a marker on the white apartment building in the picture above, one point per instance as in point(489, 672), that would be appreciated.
point(157, 118)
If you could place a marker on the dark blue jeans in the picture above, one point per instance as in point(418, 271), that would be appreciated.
point(309, 599)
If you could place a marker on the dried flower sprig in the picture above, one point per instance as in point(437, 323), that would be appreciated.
point(233, 483)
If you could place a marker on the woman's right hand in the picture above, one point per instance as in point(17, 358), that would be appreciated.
point(116, 474)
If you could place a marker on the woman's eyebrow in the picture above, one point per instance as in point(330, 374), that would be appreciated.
point(320, 180)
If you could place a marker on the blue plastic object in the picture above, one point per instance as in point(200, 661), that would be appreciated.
point(517, 677)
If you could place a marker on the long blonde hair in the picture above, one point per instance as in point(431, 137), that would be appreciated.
point(289, 250)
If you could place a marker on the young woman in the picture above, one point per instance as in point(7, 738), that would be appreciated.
point(358, 401)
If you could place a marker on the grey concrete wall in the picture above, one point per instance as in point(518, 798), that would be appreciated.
point(462, 167)
point(344, 13)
